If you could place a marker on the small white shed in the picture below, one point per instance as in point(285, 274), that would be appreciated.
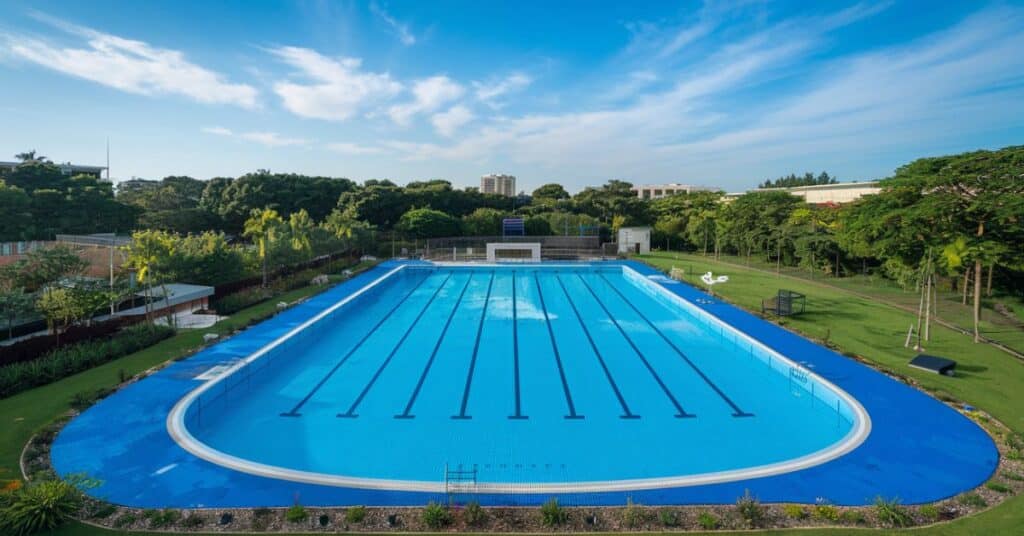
point(634, 240)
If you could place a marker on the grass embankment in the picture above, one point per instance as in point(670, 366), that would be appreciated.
point(989, 378)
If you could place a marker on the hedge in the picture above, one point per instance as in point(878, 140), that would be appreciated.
point(68, 360)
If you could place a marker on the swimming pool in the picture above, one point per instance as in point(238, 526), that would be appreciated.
point(536, 378)
point(590, 382)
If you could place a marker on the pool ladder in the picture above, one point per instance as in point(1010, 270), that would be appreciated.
point(459, 481)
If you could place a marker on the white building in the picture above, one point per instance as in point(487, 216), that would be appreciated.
point(634, 240)
point(498, 184)
point(825, 194)
point(656, 191)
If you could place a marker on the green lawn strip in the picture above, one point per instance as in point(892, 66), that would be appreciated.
point(949, 306)
point(986, 377)
point(22, 414)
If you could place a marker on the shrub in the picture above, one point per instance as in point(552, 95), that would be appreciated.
point(125, 520)
point(929, 512)
point(551, 514)
point(193, 521)
point(997, 487)
point(68, 360)
point(668, 518)
point(474, 514)
point(633, 515)
point(324, 520)
point(296, 514)
point(826, 512)
point(100, 510)
point(40, 506)
point(750, 510)
point(85, 399)
point(794, 511)
point(708, 521)
point(162, 518)
point(892, 513)
point(436, 516)
point(234, 302)
point(853, 517)
point(973, 500)
point(1010, 475)
point(356, 514)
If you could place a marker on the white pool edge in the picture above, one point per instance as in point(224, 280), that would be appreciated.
point(180, 434)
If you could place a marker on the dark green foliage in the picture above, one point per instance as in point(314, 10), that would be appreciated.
point(428, 223)
point(668, 518)
point(42, 506)
point(708, 521)
point(750, 510)
point(551, 514)
point(356, 514)
point(998, 487)
point(69, 360)
point(161, 518)
point(474, 514)
point(791, 180)
point(125, 520)
point(436, 516)
point(891, 513)
point(296, 514)
point(972, 500)
point(193, 521)
point(81, 401)
point(929, 512)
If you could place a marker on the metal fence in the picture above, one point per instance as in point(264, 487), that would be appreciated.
point(474, 248)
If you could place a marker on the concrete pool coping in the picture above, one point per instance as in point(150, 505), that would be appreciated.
point(146, 467)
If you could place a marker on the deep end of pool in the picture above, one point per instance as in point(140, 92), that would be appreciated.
point(589, 382)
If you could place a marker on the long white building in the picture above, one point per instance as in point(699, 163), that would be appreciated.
point(656, 191)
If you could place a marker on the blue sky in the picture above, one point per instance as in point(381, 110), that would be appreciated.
point(714, 93)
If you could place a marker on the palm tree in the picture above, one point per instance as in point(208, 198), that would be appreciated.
point(262, 226)
point(30, 156)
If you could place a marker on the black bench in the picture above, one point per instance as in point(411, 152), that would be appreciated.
point(931, 363)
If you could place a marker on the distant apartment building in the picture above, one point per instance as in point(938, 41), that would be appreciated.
point(66, 168)
point(498, 184)
point(656, 191)
point(825, 194)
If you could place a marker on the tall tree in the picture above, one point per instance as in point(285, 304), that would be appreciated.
point(264, 227)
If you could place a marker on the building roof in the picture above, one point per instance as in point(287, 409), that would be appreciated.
point(177, 293)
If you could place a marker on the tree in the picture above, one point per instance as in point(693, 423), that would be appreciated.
point(427, 223)
point(976, 198)
point(549, 194)
point(60, 309)
point(45, 266)
point(16, 221)
point(149, 254)
point(30, 156)
point(300, 230)
point(355, 233)
point(808, 179)
point(483, 222)
point(264, 226)
point(14, 301)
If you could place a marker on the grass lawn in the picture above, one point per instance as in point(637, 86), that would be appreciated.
point(989, 378)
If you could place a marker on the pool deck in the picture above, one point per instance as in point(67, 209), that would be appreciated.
point(919, 449)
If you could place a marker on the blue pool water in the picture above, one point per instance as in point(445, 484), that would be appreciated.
point(588, 376)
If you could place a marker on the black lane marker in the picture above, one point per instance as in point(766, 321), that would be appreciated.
point(476, 350)
point(419, 385)
point(611, 381)
point(737, 412)
point(295, 411)
point(558, 358)
point(351, 413)
point(515, 352)
point(680, 412)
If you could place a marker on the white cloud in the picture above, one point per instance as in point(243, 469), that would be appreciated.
point(219, 131)
point(268, 139)
point(400, 29)
point(714, 121)
point(333, 89)
point(127, 65)
point(353, 148)
point(490, 92)
point(429, 94)
point(448, 122)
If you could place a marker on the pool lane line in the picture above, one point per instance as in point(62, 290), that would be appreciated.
point(737, 412)
point(437, 346)
point(351, 412)
point(558, 358)
point(295, 410)
point(476, 351)
point(627, 414)
point(680, 412)
point(515, 353)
